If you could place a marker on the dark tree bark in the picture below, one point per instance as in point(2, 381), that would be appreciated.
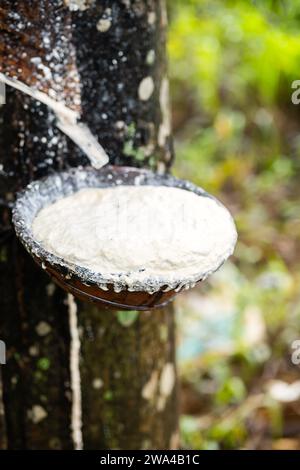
point(106, 60)
point(3, 442)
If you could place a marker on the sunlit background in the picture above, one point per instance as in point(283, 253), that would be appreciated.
point(238, 135)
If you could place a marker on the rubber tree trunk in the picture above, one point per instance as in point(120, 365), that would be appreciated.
point(78, 376)
point(3, 442)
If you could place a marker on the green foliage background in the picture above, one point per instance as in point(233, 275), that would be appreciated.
point(232, 64)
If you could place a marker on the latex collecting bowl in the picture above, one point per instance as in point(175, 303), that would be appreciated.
point(111, 291)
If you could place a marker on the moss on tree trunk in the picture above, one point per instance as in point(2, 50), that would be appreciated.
point(105, 59)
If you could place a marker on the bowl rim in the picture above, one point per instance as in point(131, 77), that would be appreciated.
point(31, 197)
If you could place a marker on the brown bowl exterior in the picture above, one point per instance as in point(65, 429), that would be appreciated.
point(124, 300)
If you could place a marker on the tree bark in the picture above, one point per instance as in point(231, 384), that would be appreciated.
point(106, 60)
point(3, 442)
